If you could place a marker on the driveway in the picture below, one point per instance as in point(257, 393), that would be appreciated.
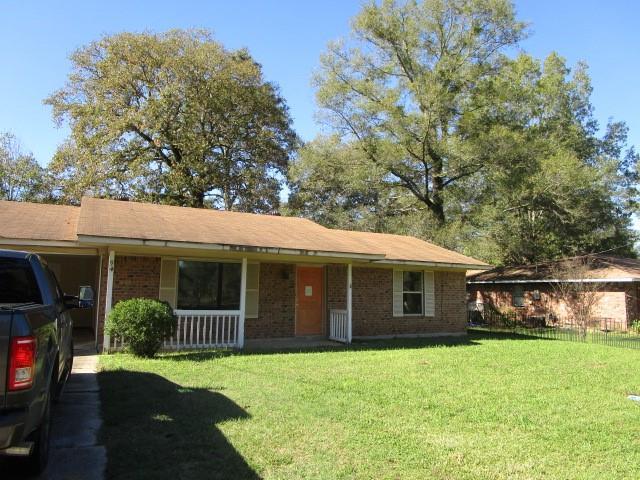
point(76, 421)
point(75, 451)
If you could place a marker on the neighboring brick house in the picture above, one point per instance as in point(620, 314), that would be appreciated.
point(532, 291)
point(234, 276)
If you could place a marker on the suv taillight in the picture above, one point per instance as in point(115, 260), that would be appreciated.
point(22, 359)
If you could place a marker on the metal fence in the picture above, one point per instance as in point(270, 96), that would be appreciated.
point(600, 330)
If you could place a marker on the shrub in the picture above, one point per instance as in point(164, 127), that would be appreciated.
point(635, 326)
point(142, 323)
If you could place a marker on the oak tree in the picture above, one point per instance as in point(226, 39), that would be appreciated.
point(173, 118)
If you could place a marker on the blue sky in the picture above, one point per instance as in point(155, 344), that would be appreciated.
point(286, 37)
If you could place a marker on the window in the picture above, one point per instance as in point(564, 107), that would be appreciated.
point(17, 282)
point(518, 296)
point(208, 285)
point(412, 293)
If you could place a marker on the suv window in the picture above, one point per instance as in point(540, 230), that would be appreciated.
point(55, 285)
point(17, 282)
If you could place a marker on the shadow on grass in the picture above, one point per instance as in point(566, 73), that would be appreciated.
point(155, 429)
point(473, 338)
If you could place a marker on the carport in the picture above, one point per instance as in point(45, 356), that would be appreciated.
point(72, 272)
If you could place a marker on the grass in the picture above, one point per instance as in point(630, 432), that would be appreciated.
point(490, 407)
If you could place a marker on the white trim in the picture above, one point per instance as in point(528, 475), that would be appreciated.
point(349, 304)
point(243, 299)
point(205, 312)
point(109, 296)
point(419, 292)
point(229, 248)
point(97, 299)
point(558, 280)
point(39, 243)
point(456, 266)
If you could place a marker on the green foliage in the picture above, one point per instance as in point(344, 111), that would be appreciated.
point(442, 136)
point(21, 177)
point(335, 185)
point(635, 326)
point(143, 324)
point(411, 91)
point(173, 118)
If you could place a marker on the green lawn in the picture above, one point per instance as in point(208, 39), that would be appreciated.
point(488, 407)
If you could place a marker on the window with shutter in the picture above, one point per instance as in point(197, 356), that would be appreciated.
point(413, 293)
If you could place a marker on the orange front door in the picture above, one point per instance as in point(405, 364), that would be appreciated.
point(309, 301)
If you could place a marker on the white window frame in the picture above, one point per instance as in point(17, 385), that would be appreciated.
point(421, 292)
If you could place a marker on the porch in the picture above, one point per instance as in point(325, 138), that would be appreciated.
point(294, 308)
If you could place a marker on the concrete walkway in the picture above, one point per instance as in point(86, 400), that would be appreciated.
point(75, 452)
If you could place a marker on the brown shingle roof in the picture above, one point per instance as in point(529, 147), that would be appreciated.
point(147, 221)
point(408, 249)
point(121, 220)
point(600, 267)
point(36, 221)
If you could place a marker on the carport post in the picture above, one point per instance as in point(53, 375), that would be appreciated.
point(349, 302)
point(243, 297)
point(109, 297)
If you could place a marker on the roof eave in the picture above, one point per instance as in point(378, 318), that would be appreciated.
point(457, 266)
point(38, 242)
point(92, 239)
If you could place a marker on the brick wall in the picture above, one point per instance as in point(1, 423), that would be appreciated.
point(136, 277)
point(373, 305)
point(618, 302)
point(276, 303)
point(133, 277)
point(372, 298)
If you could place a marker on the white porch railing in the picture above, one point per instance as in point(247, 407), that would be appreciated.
point(199, 329)
point(205, 329)
point(339, 326)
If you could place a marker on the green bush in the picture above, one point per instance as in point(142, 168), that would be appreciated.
point(635, 326)
point(142, 323)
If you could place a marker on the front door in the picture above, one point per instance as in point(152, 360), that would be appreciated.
point(309, 301)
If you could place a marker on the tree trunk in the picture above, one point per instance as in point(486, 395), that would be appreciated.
point(198, 199)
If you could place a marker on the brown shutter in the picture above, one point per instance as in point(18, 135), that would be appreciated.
point(168, 281)
point(253, 287)
point(429, 295)
point(398, 285)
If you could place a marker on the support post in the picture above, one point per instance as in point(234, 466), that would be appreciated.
point(243, 297)
point(349, 309)
point(109, 296)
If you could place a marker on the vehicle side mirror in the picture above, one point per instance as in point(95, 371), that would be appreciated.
point(85, 297)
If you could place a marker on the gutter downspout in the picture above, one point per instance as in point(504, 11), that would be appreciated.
point(349, 304)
